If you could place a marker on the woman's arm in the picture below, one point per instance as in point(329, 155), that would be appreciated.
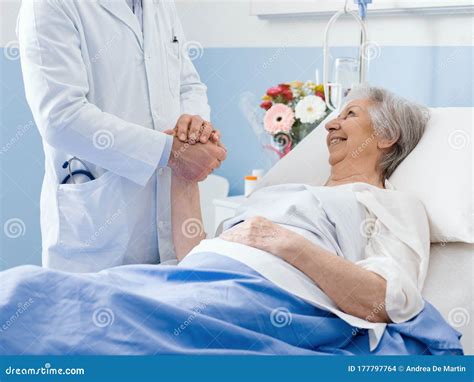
point(355, 291)
point(187, 226)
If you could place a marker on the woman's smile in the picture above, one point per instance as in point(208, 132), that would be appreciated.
point(335, 141)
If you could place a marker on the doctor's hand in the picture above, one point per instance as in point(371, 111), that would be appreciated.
point(193, 129)
point(195, 162)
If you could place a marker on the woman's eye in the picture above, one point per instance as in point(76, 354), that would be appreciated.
point(351, 113)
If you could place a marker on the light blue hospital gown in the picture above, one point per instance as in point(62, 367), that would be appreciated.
point(328, 216)
point(209, 304)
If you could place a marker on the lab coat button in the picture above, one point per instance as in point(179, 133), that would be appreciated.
point(160, 171)
point(161, 224)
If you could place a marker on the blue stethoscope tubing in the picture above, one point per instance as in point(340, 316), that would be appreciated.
point(71, 174)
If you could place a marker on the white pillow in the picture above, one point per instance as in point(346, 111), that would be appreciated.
point(439, 171)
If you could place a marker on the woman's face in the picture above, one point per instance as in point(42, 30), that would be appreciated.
point(352, 140)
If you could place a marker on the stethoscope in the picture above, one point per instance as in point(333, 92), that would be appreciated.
point(71, 173)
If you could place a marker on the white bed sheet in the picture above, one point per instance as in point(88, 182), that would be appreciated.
point(449, 287)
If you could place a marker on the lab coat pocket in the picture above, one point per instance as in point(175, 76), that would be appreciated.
point(92, 216)
point(174, 67)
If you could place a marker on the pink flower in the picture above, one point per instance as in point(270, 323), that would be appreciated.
point(278, 118)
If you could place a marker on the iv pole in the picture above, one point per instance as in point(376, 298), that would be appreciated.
point(362, 55)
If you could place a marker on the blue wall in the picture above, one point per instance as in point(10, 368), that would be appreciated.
point(435, 76)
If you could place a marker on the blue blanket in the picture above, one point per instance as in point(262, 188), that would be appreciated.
point(210, 304)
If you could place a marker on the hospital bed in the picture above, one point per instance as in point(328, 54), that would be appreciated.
point(118, 310)
point(440, 172)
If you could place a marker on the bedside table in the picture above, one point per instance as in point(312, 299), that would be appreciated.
point(224, 208)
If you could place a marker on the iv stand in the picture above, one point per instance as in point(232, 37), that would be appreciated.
point(362, 55)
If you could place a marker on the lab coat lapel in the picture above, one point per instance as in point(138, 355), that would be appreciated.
point(120, 9)
point(149, 23)
point(154, 30)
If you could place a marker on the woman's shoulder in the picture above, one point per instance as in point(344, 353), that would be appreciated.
point(389, 204)
point(389, 194)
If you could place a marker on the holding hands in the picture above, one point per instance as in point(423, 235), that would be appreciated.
point(193, 129)
point(197, 149)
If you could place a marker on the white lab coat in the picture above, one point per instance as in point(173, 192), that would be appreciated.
point(103, 91)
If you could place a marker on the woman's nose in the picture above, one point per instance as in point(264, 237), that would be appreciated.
point(333, 125)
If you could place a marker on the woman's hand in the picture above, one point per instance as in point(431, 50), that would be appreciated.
point(260, 233)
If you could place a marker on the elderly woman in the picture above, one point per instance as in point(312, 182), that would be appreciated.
point(370, 137)
point(336, 269)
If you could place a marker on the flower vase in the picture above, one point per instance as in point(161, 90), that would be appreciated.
point(301, 130)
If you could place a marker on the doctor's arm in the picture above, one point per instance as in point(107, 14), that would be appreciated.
point(56, 86)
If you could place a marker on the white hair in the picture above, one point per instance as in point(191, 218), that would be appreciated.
point(393, 118)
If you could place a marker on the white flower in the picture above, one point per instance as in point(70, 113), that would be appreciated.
point(310, 109)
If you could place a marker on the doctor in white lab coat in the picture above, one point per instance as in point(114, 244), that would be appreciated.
point(104, 79)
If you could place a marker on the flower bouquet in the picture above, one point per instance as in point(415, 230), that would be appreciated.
point(293, 110)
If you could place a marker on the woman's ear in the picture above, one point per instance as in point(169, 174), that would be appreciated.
point(386, 143)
